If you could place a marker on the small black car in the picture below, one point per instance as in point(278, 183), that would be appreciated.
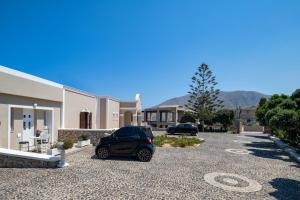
point(183, 129)
point(127, 141)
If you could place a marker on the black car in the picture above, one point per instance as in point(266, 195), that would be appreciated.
point(183, 129)
point(127, 141)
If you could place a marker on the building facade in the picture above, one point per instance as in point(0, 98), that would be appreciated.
point(246, 120)
point(161, 117)
point(29, 104)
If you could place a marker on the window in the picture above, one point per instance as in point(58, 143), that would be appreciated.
point(45, 119)
point(148, 116)
point(151, 116)
point(127, 131)
point(163, 116)
point(187, 125)
point(85, 120)
point(12, 122)
point(180, 126)
point(170, 117)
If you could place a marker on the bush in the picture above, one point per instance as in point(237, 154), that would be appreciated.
point(224, 117)
point(68, 144)
point(83, 137)
point(176, 141)
point(285, 120)
point(280, 134)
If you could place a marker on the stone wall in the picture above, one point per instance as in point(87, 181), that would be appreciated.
point(93, 134)
point(18, 162)
point(254, 127)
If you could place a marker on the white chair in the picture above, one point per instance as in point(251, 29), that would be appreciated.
point(44, 141)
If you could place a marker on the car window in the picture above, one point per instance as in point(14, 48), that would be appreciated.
point(126, 132)
point(147, 131)
point(122, 132)
point(180, 126)
point(187, 125)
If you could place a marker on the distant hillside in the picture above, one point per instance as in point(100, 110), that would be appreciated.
point(231, 99)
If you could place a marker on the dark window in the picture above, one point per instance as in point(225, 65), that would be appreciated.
point(187, 125)
point(180, 126)
point(123, 132)
point(147, 131)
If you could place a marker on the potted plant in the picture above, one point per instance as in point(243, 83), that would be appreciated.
point(67, 144)
point(53, 150)
point(83, 141)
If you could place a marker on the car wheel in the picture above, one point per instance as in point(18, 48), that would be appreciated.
point(144, 155)
point(194, 133)
point(172, 132)
point(102, 153)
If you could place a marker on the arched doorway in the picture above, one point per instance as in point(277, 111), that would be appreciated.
point(128, 117)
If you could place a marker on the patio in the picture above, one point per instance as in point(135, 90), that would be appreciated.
point(173, 173)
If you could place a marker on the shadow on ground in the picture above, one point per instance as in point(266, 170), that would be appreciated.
point(118, 158)
point(286, 189)
point(267, 150)
point(258, 136)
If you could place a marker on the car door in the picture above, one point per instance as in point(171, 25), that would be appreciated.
point(124, 141)
point(187, 128)
point(180, 128)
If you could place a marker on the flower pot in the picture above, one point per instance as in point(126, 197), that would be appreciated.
point(53, 152)
point(84, 143)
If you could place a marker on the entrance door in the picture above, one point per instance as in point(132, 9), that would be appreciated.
point(28, 126)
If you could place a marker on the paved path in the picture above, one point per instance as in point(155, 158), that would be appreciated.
point(204, 172)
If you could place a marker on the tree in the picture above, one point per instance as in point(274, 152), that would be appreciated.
point(287, 120)
point(288, 104)
point(187, 117)
point(261, 112)
point(282, 114)
point(224, 117)
point(204, 98)
point(296, 97)
point(275, 100)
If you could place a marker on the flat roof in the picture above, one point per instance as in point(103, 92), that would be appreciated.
point(20, 74)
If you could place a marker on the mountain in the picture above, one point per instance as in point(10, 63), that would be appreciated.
point(231, 99)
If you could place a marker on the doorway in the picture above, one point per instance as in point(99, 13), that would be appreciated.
point(28, 126)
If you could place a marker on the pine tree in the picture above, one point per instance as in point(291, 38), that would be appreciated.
point(204, 98)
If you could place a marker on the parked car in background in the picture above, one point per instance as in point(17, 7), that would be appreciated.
point(127, 141)
point(186, 129)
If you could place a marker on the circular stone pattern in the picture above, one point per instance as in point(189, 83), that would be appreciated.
point(238, 151)
point(233, 180)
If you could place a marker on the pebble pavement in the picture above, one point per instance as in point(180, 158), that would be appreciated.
point(173, 173)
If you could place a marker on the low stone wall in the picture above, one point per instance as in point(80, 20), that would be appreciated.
point(18, 162)
point(254, 127)
point(93, 134)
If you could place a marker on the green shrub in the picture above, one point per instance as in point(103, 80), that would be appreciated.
point(176, 141)
point(280, 134)
point(68, 144)
point(83, 137)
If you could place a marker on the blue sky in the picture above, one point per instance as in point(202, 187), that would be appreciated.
point(124, 47)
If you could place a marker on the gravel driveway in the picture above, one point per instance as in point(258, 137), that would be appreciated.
point(173, 173)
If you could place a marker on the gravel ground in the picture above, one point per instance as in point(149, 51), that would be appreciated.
point(173, 173)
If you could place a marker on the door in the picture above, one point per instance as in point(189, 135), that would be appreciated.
point(125, 141)
point(28, 126)
point(180, 128)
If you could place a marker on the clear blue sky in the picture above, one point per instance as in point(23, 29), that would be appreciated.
point(124, 47)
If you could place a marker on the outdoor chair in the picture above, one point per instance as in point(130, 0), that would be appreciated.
point(22, 143)
point(43, 141)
